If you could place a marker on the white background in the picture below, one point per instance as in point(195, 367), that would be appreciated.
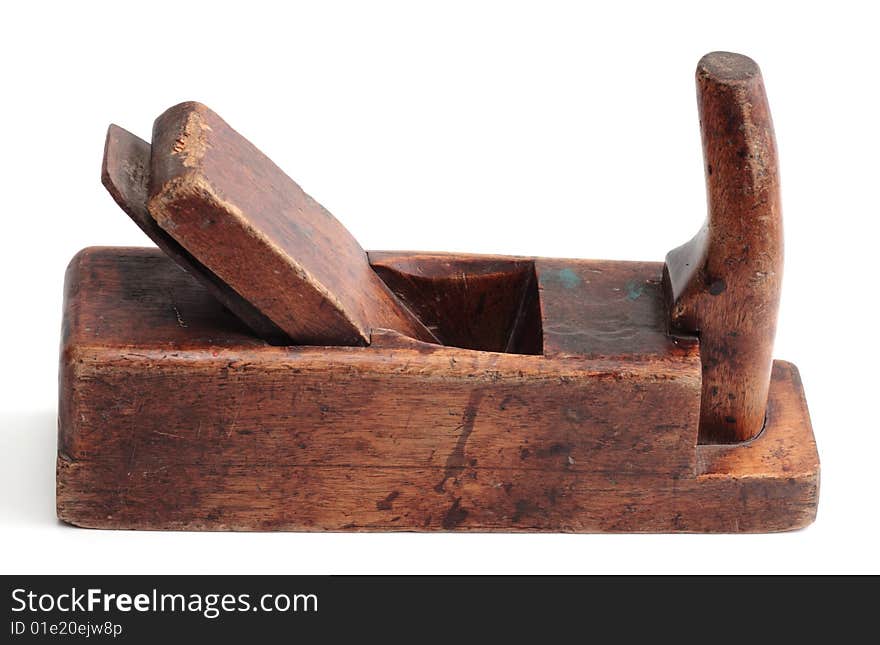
point(564, 130)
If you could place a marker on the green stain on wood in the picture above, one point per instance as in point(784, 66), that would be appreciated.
point(569, 278)
point(634, 290)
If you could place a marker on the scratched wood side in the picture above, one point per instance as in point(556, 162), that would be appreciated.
point(146, 410)
point(414, 405)
point(156, 385)
point(131, 456)
point(770, 484)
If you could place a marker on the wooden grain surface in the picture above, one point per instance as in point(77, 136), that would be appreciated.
point(724, 284)
point(125, 173)
point(607, 309)
point(198, 425)
point(234, 210)
point(409, 403)
point(475, 302)
point(552, 307)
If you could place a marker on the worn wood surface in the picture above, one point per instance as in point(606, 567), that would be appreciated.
point(234, 210)
point(199, 425)
point(125, 173)
point(474, 302)
point(724, 284)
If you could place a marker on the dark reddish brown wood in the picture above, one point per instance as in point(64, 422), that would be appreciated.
point(235, 211)
point(478, 302)
point(125, 173)
point(206, 427)
point(607, 309)
point(771, 484)
point(724, 284)
point(554, 395)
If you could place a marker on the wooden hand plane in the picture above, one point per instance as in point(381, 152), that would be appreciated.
point(286, 379)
